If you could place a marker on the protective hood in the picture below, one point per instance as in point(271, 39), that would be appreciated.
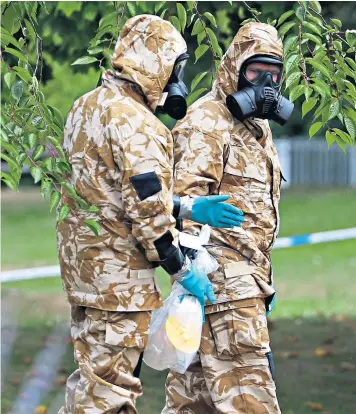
point(252, 39)
point(145, 53)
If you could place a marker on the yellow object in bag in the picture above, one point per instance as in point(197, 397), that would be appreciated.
point(184, 337)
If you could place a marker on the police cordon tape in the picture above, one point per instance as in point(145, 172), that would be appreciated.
point(283, 242)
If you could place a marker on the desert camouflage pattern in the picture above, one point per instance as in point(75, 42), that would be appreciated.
point(110, 136)
point(107, 347)
point(231, 372)
point(217, 154)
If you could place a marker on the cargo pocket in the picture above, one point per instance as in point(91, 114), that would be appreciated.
point(240, 330)
point(128, 329)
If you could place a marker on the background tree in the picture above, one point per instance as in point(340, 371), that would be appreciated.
point(52, 52)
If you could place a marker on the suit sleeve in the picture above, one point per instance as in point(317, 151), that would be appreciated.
point(145, 162)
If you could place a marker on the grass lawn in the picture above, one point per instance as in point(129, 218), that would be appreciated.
point(313, 327)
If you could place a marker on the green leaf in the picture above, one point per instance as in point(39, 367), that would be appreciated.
point(163, 13)
point(341, 144)
point(334, 109)
point(175, 21)
point(193, 97)
point(321, 87)
point(132, 8)
point(211, 18)
point(96, 50)
point(8, 38)
point(109, 19)
point(198, 27)
point(330, 138)
point(85, 60)
point(350, 126)
point(296, 92)
point(63, 212)
point(289, 43)
point(182, 15)
point(300, 13)
point(9, 180)
point(197, 79)
point(58, 116)
point(337, 45)
point(69, 7)
point(294, 76)
point(285, 28)
point(10, 161)
point(30, 29)
point(24, 74)
point(250, 20)
point(49, 163)
point(313, 27)
point(214, 42)
point(190, 5)
point(46, 187)
point(9, 78)
point(315, 19)
point(350, 37)
point(16, 53)
point(201, 36)
point(54, 200)
point(159, 5)
point(314, 128)
point(351, 113)
point(351, 63)
point(308, 106)
point(32, 139)
point(93, 225)
point(17, 90)
point(285, 16)
point(318, 66)
point(315, 5)
point(291, 62)
point(312, 37)
point(199, 51)
point(36, 173)
point(38, 152)
point(337, 22)
point(344, 136)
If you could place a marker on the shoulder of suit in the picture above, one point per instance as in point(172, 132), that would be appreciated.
point(208, 115)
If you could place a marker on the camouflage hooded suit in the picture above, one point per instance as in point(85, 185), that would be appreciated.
point(122, 162)
point(217, 154)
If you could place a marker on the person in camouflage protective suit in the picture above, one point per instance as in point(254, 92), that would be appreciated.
point(217, 154)
point(122, 162)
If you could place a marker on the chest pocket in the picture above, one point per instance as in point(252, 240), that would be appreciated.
point(245, 179)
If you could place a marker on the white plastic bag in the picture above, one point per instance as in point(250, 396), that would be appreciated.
point(175, 331)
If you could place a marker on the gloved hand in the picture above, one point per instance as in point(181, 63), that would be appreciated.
point(199, 285)
point(211, 210)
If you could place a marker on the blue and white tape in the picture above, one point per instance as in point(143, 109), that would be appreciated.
point(281, 243)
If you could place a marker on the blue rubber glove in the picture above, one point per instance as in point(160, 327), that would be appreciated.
point(213, 211)
point(271, 305)
point(199, 285)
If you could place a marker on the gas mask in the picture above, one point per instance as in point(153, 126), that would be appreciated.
point(260, 97)
point(176, 91)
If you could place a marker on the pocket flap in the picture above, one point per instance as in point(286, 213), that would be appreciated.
point(145, 273)
point(238, 269)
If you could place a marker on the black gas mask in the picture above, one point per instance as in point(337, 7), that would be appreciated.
point(260, 97)
point(175, 104)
